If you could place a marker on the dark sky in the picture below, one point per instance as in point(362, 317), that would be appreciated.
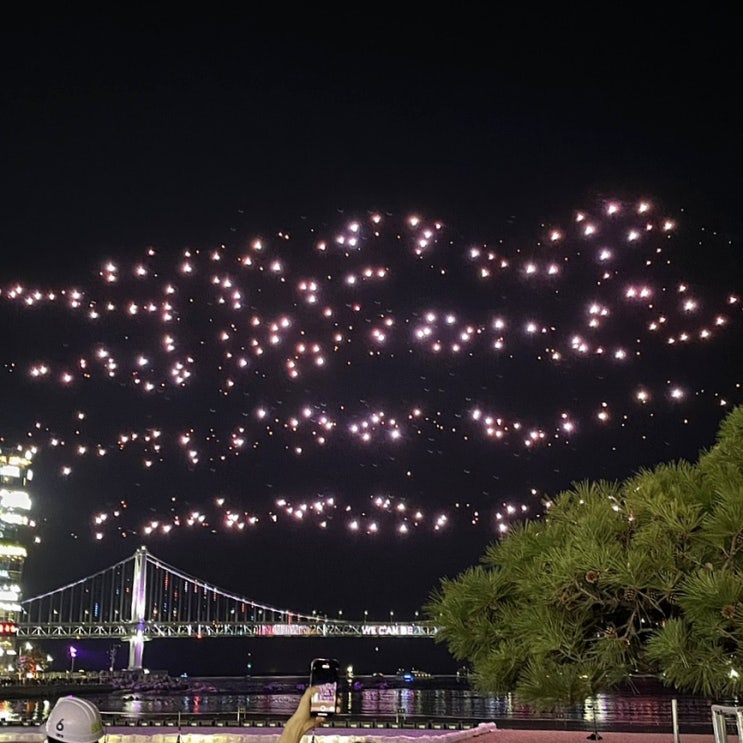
point(117, 136)
point(113, 139)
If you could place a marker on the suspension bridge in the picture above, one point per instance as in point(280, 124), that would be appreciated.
point(143, 598)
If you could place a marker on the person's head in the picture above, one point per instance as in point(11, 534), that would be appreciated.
point(74, 720)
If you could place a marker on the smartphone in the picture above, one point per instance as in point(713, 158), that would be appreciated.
point(324, 675)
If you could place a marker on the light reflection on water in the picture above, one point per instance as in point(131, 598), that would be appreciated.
point(15, 710)
point(406, 702)
point(458, 702)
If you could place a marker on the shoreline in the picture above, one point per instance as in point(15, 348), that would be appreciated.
point(20, 691)
point(484, 733)
point(241, 727)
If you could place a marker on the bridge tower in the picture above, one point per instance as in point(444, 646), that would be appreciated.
point(139, 601)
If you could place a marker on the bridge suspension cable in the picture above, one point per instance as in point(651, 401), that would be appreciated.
point(142, 598)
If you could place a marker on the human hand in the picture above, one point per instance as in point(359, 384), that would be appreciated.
point(301, 722)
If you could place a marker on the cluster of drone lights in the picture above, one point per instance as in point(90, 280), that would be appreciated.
point(289, 341)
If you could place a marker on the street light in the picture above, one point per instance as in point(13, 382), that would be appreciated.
point(73, 655)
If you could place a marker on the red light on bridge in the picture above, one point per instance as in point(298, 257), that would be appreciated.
point(8, 628)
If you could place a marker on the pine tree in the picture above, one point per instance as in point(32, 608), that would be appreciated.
point(639, 577)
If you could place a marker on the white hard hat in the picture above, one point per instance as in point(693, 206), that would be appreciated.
point(74, 720)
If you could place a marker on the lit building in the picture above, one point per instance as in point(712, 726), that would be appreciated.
point(15, 526)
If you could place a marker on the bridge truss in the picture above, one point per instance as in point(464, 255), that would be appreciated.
point(143, 598)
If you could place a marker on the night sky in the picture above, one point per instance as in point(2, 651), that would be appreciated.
point(316, 311)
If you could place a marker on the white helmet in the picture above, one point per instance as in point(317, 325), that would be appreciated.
point(74, 720)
